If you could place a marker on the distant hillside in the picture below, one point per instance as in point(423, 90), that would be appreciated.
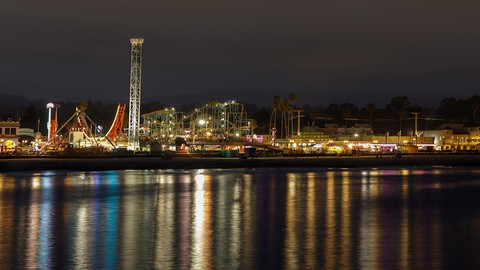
point(11, 104)
point(257, 98)
point(321, 98)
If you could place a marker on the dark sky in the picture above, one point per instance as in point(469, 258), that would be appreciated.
point(343, 50)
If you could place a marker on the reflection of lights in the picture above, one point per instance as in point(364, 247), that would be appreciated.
point(81, 247)
point(369, 224)
point(198, 215)
point(291, 242)
point(330, 221)
point(235, 242)
point(165, 217)
point(36, 183)
point(346, 220)
point(33, 226)
point(310, 245)
point(45, 233)
point(199, 180)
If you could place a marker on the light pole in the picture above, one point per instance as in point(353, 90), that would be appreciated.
point(298, 121)
point(416, 117)
point(201, 122)
point(49, 122)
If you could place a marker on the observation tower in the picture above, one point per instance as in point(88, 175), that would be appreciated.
point(135, 92)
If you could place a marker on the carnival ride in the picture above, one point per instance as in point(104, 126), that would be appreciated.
point(116, 130)
point(79, 131)
point(215, 121)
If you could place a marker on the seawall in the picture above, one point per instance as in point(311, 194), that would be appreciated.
point(146, 162)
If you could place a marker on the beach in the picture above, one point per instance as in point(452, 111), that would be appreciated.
point(149, 162)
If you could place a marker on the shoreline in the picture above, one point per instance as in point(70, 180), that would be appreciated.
point(150, 162)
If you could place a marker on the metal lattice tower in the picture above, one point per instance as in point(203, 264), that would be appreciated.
point(135, 92)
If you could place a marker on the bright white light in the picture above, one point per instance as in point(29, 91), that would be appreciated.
point(202, 122)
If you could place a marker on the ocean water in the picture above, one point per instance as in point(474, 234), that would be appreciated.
point(296, 218)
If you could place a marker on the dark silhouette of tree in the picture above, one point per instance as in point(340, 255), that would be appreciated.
point(399, 105)
point(453, 110)
point(284, 108)
point(370, 108)
point(30, 118)
point(275, 107)
point(333, 110)
point(292, 98)
point(262, 116)
point(475, 105)
point(347, 109)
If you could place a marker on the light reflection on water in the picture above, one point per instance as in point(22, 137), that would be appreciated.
point(241, 219)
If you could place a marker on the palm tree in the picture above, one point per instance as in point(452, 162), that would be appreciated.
point(399, 105)
point(475, 105)
point(275, 107)
point(284, 107)
point(347, 110)
point(292, 98)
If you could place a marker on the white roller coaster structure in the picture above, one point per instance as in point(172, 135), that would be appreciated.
point(216, 121)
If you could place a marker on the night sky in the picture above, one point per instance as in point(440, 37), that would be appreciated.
point(325, 51)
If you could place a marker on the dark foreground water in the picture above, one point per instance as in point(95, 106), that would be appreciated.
point(241, 219)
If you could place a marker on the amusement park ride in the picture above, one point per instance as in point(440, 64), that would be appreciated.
point(79, 131)
point(214, 122)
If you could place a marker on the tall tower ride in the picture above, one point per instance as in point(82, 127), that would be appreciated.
point(135, 91)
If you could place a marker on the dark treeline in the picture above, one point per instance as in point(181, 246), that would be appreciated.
point(397, 115)
point(394, 116)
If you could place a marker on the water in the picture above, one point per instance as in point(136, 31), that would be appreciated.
point(241, 219)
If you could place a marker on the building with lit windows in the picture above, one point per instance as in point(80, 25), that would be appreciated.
point(456, 137)
point(8, 135)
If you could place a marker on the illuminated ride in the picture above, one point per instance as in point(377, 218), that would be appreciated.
point(52, 124)
point(214, 122)
point(163, 125)
point(79, 131)
point(115, 133)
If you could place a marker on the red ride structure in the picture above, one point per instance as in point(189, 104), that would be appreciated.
point(116, 130)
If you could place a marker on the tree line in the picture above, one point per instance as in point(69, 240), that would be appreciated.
point(283, 112)
point(397, 115)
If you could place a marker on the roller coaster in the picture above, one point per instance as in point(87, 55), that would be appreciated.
point(215, 121)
